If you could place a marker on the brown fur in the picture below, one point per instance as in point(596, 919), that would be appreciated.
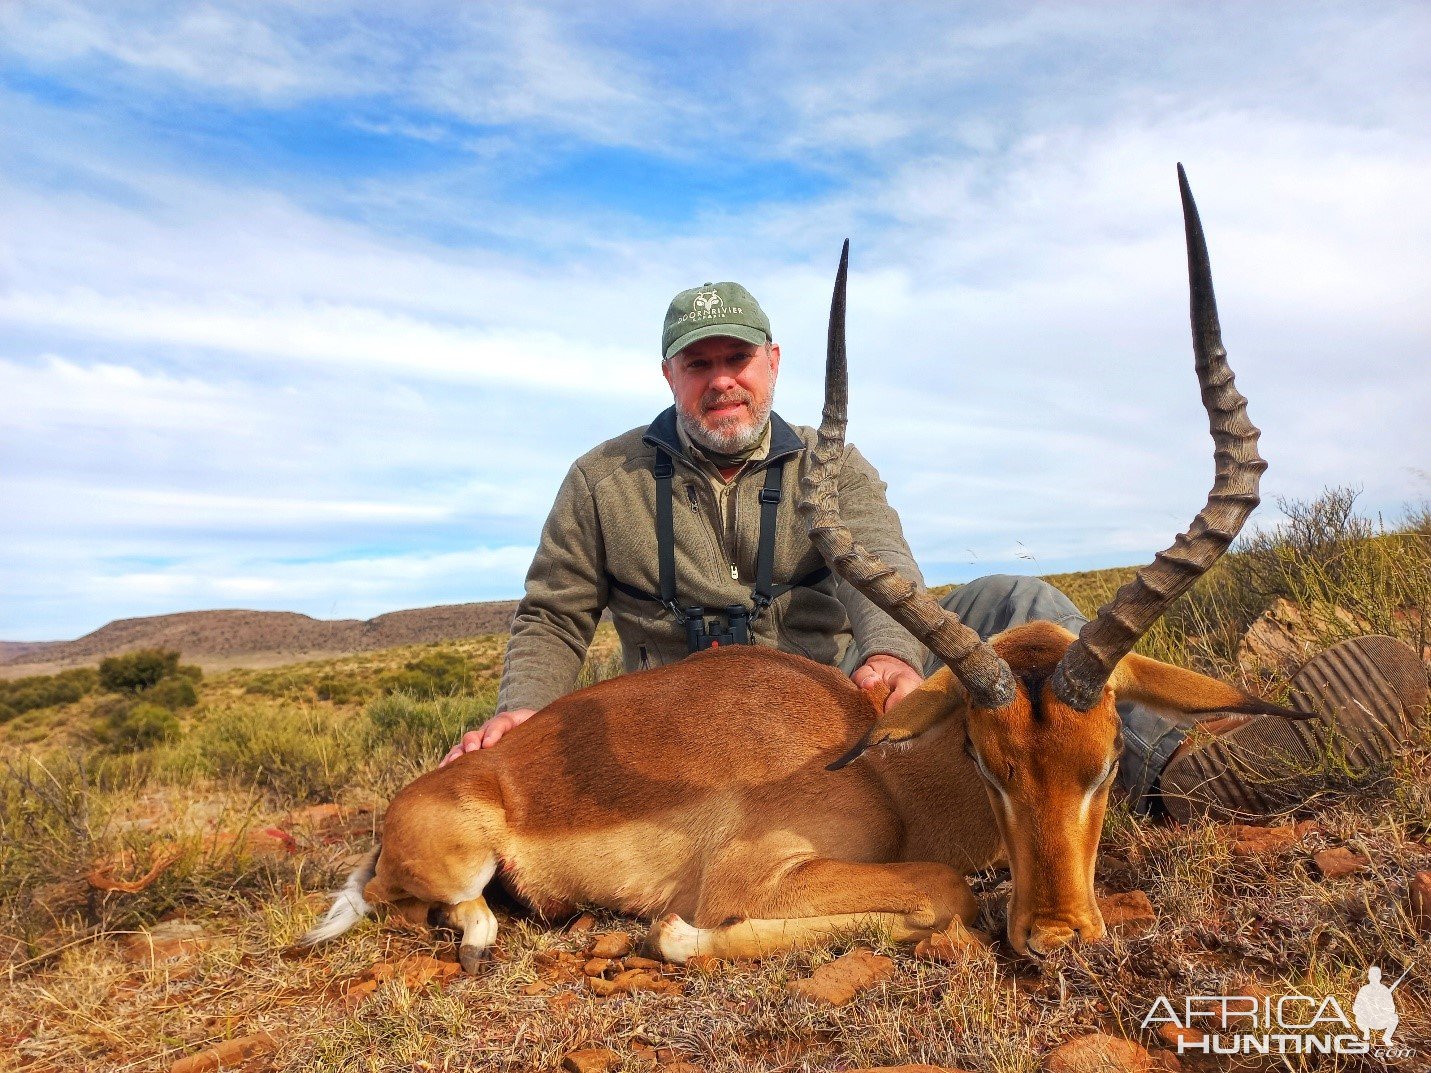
point(699, 792)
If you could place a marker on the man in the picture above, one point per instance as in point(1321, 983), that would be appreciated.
point(675, 586)
point(723, 446)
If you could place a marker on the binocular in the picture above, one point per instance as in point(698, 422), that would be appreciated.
point(730, 627)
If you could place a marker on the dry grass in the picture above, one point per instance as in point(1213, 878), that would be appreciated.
point(261, 744)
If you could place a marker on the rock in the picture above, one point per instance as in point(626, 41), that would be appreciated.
point(1255, 841)
point(414, 970)
point(258, 843)
point(841, 980)
point(1129, 914)
point(623, 983)
point(1286, 635)
point(1174, 1035)
point(329, 822)
point(908, 1069)
point(1419, 902)
point(703, 963)
point(171, 941)
point(614, 944)
point(1099, 1052)
point(952, 945)
point(229, 1053)
point(591, 1060)
point(597, 967)
point(270, 844)
point(1339, 862)
point(635, 962)
point(584, 923)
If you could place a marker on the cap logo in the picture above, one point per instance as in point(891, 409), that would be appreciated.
point(706, 302)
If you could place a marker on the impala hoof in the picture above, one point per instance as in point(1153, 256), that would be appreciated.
point(473, 958)
point(672, 939)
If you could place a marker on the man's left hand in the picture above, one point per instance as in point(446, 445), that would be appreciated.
point(898, 676)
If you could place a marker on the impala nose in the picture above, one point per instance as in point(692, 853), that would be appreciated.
point(1050, 934)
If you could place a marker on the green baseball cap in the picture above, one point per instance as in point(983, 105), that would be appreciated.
point(713, 309)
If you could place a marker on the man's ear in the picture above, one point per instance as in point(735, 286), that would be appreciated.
point(666, 372)
point(774, 349)
point(1150, 681)
point(940, 697)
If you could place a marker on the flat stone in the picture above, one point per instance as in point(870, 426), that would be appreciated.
point(1250, 841)
point(1418, 897)
point(952, 945)
point(597, 967)
point(1129, 914)
point(584, 923)
point(841, 980)
point(1339, 862)
point(171, 941)
point(591, 1060)
point(1099, 1052)
point(229, 1053)
point(614, 944)
point(624, 983)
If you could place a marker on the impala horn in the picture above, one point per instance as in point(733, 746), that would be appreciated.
point(1091, 659)
point(983, 673)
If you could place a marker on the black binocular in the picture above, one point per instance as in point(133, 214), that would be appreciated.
point(731, 627)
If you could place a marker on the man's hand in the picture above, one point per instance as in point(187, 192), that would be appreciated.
point(489, 733)
point(898, 676)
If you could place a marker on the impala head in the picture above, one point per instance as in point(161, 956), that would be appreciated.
point(1035, 704)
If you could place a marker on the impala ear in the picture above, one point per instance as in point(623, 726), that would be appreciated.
point(940, 697)
point(1152, 682)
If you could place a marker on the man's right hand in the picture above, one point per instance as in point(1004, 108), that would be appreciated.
point(488, 734)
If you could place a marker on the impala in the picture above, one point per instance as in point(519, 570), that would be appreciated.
point(720, 795)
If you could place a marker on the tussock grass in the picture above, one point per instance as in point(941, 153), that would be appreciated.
point(259, 744)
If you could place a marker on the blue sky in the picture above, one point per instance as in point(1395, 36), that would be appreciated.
point(309, 307)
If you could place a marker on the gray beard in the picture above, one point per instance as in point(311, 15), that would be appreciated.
point(726, 443)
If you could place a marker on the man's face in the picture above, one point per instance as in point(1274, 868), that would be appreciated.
point(723, 389)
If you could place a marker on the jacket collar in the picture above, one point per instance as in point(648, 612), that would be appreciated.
point(783, 440)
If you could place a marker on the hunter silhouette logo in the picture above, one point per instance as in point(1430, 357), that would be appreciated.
point(1375, 1007)
point(706, 302)
point(1286, 1024)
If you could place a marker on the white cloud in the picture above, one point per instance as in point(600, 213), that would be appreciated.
point(236, 373)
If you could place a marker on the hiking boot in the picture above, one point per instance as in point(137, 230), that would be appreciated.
point(1365, 695)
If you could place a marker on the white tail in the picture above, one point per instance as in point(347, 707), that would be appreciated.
point(348, 906)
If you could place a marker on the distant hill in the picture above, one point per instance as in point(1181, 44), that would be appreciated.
point(257, 638)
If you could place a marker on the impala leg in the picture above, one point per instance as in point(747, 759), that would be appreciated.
point(479, 931)
point(816, 900)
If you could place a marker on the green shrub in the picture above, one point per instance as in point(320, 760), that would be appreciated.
point(140, 725)
point(173, 693)
point(300, 754)
point(45, 690)
point(422, 729)
point(433, 674)
point(1348, 575)
point(136, 671)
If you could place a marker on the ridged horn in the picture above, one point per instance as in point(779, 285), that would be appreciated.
point(984, 674)
point(1091, 659)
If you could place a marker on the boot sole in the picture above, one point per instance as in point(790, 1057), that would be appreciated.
point(1366, 694)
